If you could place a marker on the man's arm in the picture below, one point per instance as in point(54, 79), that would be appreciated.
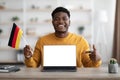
point(35, 59)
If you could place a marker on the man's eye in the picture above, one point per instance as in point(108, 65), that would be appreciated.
point(65, 19)
point(56, 19)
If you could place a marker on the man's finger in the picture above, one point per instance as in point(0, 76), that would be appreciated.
point(89, 51)
point(94, 48)
point(27, 46)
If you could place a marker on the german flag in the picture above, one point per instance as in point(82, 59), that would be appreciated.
point(15, 37)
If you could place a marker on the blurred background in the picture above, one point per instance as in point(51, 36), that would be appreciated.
point(94, 19)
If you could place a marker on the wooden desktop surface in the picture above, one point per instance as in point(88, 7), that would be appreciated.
point(81, 74)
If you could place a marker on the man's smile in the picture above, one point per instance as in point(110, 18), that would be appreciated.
point(60, 26)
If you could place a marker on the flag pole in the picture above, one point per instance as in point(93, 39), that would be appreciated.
point(24, 40)
point(26, 43)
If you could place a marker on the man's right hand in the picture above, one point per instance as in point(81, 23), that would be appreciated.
point(27, 51)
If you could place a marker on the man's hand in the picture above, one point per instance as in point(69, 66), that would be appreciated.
point(94, 56)
point(28, 51)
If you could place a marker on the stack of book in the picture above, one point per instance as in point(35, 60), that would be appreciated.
point(9, 68)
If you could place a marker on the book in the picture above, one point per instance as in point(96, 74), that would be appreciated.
point(8, 68)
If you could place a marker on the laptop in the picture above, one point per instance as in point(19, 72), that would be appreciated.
point(59, 58)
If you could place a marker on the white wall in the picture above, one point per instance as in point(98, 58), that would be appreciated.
point(104, 46)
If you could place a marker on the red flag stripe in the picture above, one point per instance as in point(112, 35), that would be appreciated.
point(15, 36)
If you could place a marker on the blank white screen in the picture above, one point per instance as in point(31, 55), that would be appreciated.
point(59, 55)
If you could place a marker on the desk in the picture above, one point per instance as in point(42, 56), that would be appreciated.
point(81, 74)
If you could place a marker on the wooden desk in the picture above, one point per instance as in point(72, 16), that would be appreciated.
point(81, 74)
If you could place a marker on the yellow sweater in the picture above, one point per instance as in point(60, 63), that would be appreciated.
point(82, 45)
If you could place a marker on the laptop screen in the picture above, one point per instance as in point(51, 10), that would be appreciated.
point(59, 55)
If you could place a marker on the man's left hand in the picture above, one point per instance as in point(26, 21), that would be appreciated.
point(94, 56)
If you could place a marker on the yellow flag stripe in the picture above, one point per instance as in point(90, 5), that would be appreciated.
point(18, 39)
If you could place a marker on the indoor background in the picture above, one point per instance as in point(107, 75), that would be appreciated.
point(94, 19)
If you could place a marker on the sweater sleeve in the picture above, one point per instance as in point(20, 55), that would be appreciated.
point(89, 63)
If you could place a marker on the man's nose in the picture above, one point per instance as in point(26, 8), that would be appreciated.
point(61, 21)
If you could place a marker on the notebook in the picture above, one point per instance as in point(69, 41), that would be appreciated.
point(59, 58)
point(8, 68)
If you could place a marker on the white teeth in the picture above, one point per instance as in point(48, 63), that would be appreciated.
point(60, 25)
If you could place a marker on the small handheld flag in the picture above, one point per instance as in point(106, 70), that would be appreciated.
point(15, 37)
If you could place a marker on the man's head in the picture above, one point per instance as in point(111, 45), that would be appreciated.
point(60, 9)
point(61, 20)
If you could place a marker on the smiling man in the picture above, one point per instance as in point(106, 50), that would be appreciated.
point(61, 22)
point(61, 36)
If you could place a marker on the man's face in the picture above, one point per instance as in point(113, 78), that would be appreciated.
point(61, 22)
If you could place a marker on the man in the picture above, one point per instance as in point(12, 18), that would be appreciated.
point(61, 36)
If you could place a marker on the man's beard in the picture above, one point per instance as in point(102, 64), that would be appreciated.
point(61, 31)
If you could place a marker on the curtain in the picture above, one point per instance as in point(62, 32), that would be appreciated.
point(116, 43)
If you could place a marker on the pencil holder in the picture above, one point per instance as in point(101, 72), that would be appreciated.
point(113, 66)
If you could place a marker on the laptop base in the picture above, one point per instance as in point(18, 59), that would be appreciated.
point(59, 69)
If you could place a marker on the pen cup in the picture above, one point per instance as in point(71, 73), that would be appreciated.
point(113, 68)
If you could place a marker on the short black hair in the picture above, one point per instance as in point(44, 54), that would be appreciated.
point(60, 9)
